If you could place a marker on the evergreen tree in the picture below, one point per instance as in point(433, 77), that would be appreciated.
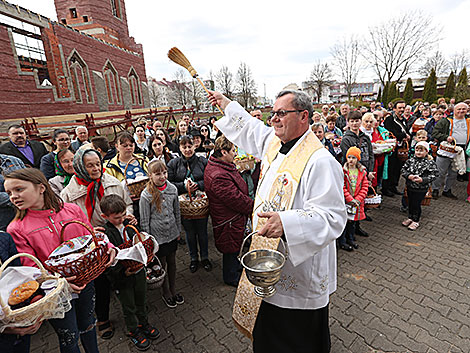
point(385, 99)
point(430, 88)
point(408, 92)
point(462, 91)
point(450, 86)
point(392, 91)
point(379, 95)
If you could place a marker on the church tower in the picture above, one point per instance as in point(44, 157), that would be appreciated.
point(103, 19)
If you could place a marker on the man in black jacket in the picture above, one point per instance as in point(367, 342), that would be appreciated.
point(30, 152)
point(396, 124)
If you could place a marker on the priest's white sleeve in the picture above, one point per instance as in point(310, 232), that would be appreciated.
point(245, 131)
point(318, 215)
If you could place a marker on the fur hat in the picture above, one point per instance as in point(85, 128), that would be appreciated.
point(354, 151)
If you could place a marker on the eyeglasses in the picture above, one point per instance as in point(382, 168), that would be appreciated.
point(204, 130)
point(282, 113)
point(64, 139)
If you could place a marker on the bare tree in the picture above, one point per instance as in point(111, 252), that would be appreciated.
point(347, 60)
point(196, 94)
point(320, 78)
point(180, 92)
point(246, 87)
point(396, 46)
point(154, 93)
point(224, 81)
point(459, 60)
point(438, 62)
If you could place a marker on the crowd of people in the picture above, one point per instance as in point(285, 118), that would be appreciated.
point(87, 179)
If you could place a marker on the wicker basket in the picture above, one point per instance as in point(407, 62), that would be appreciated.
point(45, 308)
point(427, 198)
point(87, 267)
point(158, 282)
point(372, 201)
point(402, 151)
point(135, 187)
point(447, 149)
point(244, 164)
point(133, 265)
point(194, 209)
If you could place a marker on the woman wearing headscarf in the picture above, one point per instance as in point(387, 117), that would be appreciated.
point(86, 188)
point(63, 163)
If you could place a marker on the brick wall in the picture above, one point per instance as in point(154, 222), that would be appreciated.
point(20, 93)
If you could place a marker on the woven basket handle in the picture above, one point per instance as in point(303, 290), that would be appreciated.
point(5, 308)
point(375, 193)
point(91, 230)
point(127, 166)
point(454, 142)
point(189, 191)
point(135, 230)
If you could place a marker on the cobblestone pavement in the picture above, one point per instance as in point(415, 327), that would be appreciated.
point(402, 291)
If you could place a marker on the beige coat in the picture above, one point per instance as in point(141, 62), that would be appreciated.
point(76, 193)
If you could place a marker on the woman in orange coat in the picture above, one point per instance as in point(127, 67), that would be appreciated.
point(355, 191)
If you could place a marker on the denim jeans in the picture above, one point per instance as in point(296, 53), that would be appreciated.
point(79, 322)
point(14, 343)
point(196, 233)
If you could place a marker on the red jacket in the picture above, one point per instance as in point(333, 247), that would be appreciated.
point(38, 233)
point(229, 204)
point(362, 186)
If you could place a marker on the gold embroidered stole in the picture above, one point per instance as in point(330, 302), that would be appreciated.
point(281, 197)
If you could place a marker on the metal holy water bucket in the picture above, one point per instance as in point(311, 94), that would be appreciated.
point(263, 268)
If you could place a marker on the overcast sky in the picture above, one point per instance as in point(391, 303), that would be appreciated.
point(279, 41)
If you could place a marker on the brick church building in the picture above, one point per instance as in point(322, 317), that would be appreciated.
point(86, 62)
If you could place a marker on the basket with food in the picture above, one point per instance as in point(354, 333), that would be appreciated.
point(194, 205)
point(372, 201)
point(137, 185)
point(85, 256)
point(403, 151)
point(244, 163)
point(139, 240)
point(29, 294)
point(384, 146)
point(447, 149)
point(155, 275)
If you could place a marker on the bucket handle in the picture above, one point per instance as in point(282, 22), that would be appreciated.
point(239, 257)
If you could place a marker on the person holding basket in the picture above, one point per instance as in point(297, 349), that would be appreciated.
point(36, 230)
point(187, 174)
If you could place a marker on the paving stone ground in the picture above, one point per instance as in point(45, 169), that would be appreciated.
point(401, 291)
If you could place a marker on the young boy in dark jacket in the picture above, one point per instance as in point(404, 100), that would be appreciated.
point(131, 287)
point(419, 171)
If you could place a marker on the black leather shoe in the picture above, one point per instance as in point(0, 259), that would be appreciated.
point(368, 219)
point(387, 193)
point(361, 232)
point(435, 194)
point(193, 266)
point(449, 194)
point(346, 247)
point(207, 265)
point(353, 244)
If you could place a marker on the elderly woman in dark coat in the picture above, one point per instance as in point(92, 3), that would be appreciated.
point(229, 205)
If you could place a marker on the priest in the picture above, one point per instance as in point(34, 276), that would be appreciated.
point(300, 200)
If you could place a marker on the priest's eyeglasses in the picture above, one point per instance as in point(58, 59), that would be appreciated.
point(282, 113)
